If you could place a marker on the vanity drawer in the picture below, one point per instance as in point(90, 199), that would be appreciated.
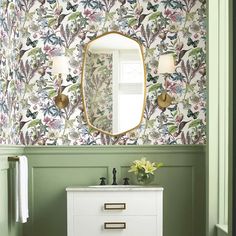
point(117, 203)
point(134, 225)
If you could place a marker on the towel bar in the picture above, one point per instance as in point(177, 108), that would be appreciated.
point(13, 158)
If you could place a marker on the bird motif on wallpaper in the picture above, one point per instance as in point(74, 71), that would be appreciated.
point(180, 127)
point(180, 55)
point(59, 20)
point(22, 51)
point(140, 20)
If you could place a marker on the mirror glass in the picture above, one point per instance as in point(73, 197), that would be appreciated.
point(113, 83)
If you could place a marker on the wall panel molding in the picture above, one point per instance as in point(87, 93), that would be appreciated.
point(52, 169)
point(59, 150)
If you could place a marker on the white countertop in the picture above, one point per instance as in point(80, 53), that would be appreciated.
point(94, 188)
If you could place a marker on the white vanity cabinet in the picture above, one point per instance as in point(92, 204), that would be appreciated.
point(118, 211)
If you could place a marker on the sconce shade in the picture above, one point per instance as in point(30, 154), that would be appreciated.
point(60, 65)
point(166, 64)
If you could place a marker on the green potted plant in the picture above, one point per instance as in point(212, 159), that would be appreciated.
point(144, 170)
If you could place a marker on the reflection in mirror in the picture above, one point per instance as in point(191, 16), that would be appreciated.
point(113, 83)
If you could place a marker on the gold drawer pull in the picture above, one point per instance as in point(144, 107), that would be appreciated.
point(114, 225)
point(114, 206)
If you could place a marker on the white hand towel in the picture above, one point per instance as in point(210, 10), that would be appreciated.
point(21, 187)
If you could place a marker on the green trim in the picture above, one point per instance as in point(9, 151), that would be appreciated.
point(230, 164)
point(219, 61)
point(114, 149)
point(5, 149)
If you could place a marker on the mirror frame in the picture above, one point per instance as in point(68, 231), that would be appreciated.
point(83, 81)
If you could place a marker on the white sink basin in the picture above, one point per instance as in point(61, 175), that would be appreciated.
point(115, 186)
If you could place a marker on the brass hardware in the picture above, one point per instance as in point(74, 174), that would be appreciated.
point(164, 100)
point(13, 158)
point(114, 206)
point(114, 225)
point(61, 100)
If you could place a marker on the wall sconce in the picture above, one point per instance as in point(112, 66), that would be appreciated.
point(166, 66)
point(60, 67)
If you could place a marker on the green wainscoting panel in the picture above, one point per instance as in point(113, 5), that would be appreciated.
point(178, 198)
point(49, 207)
point(52, 169)
point(8, 226)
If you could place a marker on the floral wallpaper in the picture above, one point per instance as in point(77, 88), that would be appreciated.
point(53, 27)
point(10, 85)
point(98, 90)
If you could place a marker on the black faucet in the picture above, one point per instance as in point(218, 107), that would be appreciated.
point(114, 176)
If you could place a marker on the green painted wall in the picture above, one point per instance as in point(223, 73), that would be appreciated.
point(8, 227)
point(52, 169)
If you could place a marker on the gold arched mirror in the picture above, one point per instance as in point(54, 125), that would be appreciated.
point(113, 83)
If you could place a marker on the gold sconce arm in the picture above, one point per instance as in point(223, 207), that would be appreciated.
point(166, 66)
point(61, 100)
point(59, 79)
